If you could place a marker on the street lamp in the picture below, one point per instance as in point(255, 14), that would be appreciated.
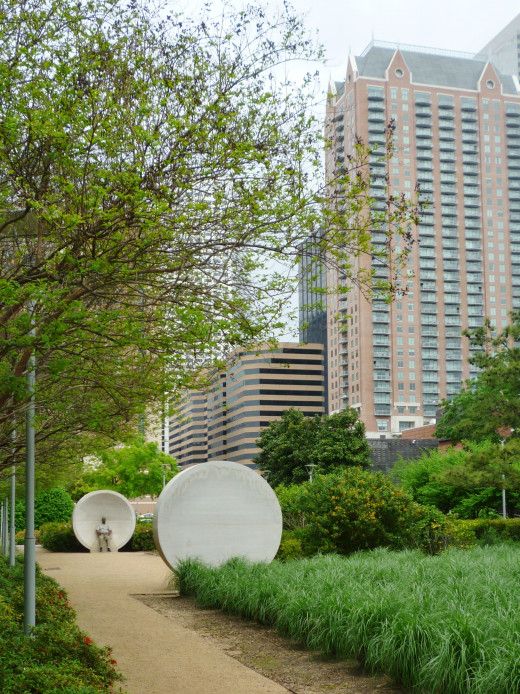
point(29, 574)
point(310, 467)
point(165, 466)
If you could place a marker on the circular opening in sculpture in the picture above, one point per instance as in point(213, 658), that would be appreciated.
point(116, 529)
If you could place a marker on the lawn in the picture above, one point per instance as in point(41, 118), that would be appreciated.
point(446, 624)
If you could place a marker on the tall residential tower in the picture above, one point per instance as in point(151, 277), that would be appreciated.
point(457, 136)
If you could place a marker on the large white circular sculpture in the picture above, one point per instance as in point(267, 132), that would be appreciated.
point(91, 508)
point(215, 511)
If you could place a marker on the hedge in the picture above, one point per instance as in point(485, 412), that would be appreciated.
point(483, 531)
point(59, 657)
point(59, 537)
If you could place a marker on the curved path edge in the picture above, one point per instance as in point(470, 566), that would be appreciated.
point(155, 655)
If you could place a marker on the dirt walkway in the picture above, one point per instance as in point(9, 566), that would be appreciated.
point(155, 654)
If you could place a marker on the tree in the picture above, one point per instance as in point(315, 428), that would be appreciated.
point(488, 465)
point(133, 470)
point(51, 506)
point(292, 443)
point(464, 481)
point(151, 169)
point(489, 406)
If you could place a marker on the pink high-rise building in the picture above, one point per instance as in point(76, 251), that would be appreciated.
point(457, 136)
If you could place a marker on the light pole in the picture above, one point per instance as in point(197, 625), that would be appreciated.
point(29, 560)
point(165, 466)
point(504, 506)
point(5, 526)
point(2, 528)
point(310, 467)
point(12, 529)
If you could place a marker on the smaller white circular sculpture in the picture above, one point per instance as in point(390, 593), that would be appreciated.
point(91, 508)
point(215, 511)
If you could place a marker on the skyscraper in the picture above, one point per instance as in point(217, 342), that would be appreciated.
point(504, 49)
point(224, 420)
point(457, 135)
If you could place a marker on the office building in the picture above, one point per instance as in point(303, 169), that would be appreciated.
point(457, 135)
point(224, 420)
point(312, 300)
point(504, 49)
point(188, 429)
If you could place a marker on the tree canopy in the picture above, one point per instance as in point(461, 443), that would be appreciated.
point(151, 169)
point(290, 444)
point(465, 481)
point(489, 406)
point(133, 470)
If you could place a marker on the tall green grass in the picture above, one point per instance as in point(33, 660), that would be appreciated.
point(448, 624)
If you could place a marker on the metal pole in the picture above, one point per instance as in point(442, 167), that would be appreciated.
point(504, 507)
point(5, 536)
point(2, 528)
point(12, 528)
point(29, 617)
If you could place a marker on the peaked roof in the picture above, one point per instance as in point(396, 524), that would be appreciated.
point(430, 68)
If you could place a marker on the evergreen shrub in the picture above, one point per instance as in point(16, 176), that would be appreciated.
point(58, 657)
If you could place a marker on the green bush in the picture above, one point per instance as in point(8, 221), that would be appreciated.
point(50, 506)
point(290, 546)
point(20, 537)
point(353, 509)
point(59, 537)
point(142, 539)
point(447, 479)
point(482, 531)
point(58, 657)
point(445, 624)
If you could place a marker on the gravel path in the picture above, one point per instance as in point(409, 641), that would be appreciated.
point(155, 654)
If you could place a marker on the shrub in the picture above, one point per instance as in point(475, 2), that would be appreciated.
point(290, 546)
point(142, 539)
point(59, 537)
point(484, 531)
point(50, 506)
point(58, 657)
point(20, 537)
point(461, 481)
point(353, 509)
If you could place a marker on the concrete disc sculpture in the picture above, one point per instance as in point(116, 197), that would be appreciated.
point(215, 511)
point(91, 508)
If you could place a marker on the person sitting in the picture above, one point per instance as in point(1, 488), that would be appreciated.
point(103, 532)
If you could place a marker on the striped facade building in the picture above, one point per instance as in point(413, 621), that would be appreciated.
point(257, 386)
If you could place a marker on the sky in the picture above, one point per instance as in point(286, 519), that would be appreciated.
point(462, 25)
point(347, 26)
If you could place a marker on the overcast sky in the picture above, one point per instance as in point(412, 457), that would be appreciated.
point(462, 25)
point(343, 25)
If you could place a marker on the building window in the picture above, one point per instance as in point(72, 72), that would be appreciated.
point(399, 73)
